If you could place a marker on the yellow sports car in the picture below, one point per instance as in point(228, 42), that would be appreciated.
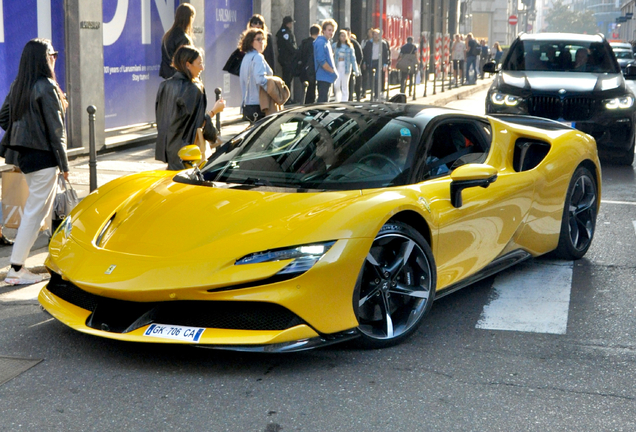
point(322, 224)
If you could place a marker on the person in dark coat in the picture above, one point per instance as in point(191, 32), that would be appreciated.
point(179, 34)
point(259, 22)
point(306, 59)
point(355, 82)
point(33, 117)
point(287, 49)
point(180, 108)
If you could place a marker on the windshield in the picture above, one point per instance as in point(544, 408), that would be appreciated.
point(561, 56)
point(320, 149)
point(622, 54)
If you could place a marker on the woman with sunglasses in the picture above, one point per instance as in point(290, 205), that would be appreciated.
point(33, 117)
point(254, 72)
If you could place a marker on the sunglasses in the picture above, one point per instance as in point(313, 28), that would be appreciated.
point(53, 54)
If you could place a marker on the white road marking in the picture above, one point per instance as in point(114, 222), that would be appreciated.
point(40, 323)
point(530, 297)
point(634, 222)
point(619, 202)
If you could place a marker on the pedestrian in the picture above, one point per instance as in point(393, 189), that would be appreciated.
point(307, 68)
point(355, 81)
point(345, 59)
point(484, 56)
point(32, 116)
point(367, 73)
point(180, 108)
point(254, 72)
point(326, 73)
point(407, 59)
point(371, 54)
point(458, 56)
point(180, 33)
point(498, 52)
point(472, 51)
point(287, 50)
point(258, 21)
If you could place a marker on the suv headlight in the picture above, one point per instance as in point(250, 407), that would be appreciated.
point(304, 257)
point(619, 102)
point(504, 99)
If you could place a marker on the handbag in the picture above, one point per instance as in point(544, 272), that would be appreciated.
point(233, 64)
point(65, 200)
point(15, 192)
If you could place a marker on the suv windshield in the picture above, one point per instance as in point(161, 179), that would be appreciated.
point(317, 149)
point(561, 56)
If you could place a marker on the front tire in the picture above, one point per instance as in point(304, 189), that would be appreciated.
point(396, 287)
point(579, 216)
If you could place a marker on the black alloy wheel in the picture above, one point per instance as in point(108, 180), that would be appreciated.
point(579, 216)
point(396, 287)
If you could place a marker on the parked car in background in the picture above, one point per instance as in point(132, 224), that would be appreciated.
point(624, 53)
point(574, 79)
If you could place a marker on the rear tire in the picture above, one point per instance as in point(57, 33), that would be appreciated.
point(396, 287)
point(579, 216)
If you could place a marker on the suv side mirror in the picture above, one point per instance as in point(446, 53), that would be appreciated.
point(630, 71)
point(490, 67)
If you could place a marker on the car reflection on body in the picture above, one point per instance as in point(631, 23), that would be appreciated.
point(571, 78)
point(322, 224)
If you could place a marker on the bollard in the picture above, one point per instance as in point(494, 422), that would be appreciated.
point(374, 85)
point(435, 80)
point(92, 160)
point(388, 81)
point(443, 75)
point(413, 79)
point(425, 79)
point(218, 91)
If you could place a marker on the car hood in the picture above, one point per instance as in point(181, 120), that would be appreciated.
point(575, 82)
point(168, 218)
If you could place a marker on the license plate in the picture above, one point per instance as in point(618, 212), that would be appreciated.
point(189, 334)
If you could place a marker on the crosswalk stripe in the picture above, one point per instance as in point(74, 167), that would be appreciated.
point(531, 297)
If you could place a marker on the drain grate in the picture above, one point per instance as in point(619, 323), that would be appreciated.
point(11, 367)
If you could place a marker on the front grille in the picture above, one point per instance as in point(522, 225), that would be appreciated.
point(570, 109)
point(121, 316)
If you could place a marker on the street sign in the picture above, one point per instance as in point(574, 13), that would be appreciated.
point(512, 20)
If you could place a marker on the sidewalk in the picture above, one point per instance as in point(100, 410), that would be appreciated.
point(132, 150)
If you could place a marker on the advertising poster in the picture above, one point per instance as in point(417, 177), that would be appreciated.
point(132, 55)
point(21, 21)
point(225, 20)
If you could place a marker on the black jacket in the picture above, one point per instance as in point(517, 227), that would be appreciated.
point(287, 48)
point(368, 53)
point(176, 39)
point(40, 128)
point(358, 50)
point(306, 69)
point(269, 52)
point(180, 110)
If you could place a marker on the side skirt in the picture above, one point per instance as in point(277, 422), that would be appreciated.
point(494, 267)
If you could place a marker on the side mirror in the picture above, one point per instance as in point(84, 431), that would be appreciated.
point(630, 71)
point(468, 176)
point(190, 155)
point(490, 67)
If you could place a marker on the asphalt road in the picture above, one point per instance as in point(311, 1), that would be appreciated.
point(470, 367)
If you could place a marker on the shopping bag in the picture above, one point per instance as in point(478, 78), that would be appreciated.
point(65, 200)
point(15, 192)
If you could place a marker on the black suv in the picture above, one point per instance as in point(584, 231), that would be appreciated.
point(572, 78)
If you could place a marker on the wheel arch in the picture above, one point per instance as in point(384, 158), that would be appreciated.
point(587, 163)
point(416, 221)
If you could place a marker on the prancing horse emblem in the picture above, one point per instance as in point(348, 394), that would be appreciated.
point(110, 269)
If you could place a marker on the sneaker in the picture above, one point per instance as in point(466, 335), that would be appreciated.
point(22, 277)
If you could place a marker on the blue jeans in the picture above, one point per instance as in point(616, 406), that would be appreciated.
point(471, 60)
point(323, 91)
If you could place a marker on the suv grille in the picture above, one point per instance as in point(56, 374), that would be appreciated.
point(571, 109)
point(121, 316)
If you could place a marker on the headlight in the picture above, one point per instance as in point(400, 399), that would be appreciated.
point(304, 257)
point(619, 103)
point(501, 99)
